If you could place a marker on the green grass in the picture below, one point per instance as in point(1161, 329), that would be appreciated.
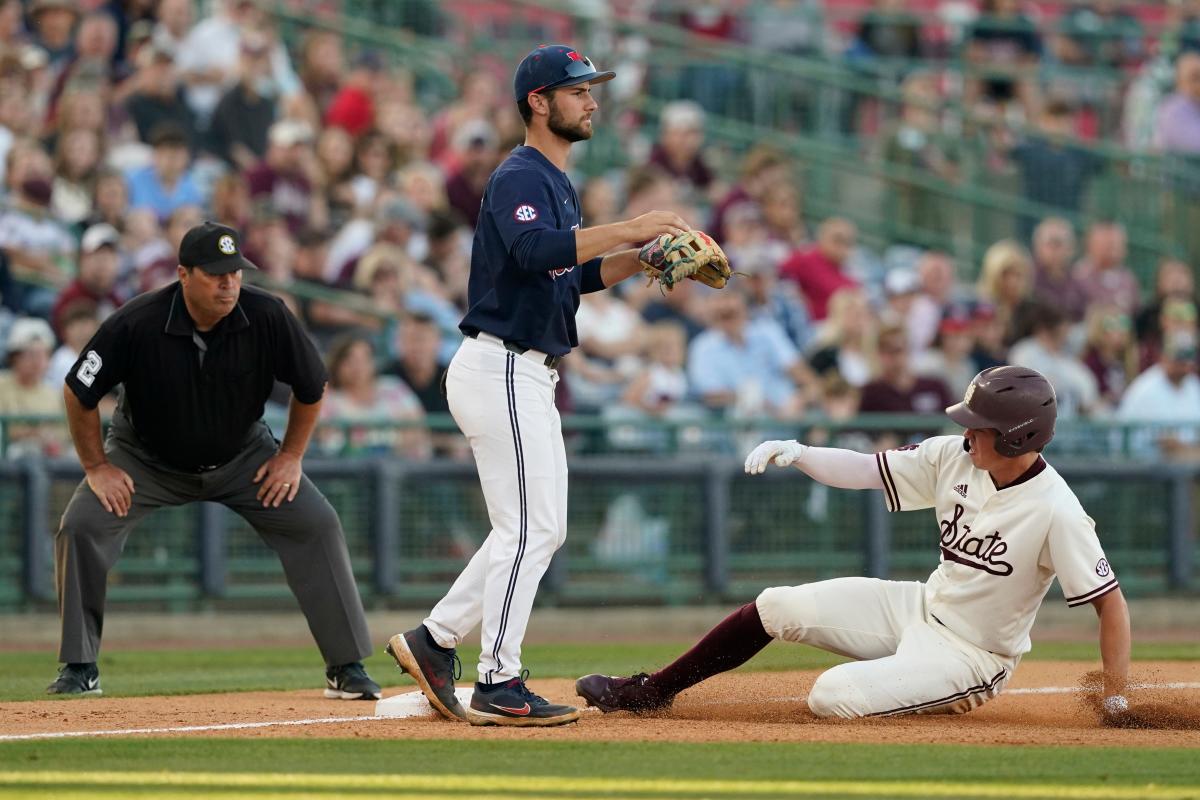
point(520, 770)
point(24, 675)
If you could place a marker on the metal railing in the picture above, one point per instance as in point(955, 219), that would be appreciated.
point(647, 529)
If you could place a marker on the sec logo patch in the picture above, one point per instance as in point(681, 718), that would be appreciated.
point(225, 245)
point(1102, 568)
point(525, 213)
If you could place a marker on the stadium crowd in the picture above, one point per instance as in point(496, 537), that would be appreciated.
point(124, 124)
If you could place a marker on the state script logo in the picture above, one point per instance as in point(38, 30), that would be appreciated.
point(977, 552)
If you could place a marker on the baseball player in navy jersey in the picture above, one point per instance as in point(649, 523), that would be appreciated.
point(1007, 525)
point(531, 259)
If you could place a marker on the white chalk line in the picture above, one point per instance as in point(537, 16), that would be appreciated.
point(236, 726)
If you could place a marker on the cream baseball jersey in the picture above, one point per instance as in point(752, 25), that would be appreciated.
point(1000, 548)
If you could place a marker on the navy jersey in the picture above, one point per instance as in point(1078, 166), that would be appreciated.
point(525, 284)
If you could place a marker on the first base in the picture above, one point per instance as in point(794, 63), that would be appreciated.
point(414, 704)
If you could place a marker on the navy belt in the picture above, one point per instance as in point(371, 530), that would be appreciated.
point(550, 361)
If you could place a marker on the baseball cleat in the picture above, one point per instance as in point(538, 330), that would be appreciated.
point(434, 670)
point(511, 703)
point(610, 693)
point(350, 682)
point(77, 679)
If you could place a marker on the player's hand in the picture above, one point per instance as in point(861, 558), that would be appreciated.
point(113, 488)
point(784, 454)
point(280, 479)
point(653, 224)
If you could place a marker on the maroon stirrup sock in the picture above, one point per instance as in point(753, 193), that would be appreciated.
point(733, 642)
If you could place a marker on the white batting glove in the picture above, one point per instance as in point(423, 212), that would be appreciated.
point(784, 454)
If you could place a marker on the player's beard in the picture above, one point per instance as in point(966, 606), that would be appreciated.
point(559, 127)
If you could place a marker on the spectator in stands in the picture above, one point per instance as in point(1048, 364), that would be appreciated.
point(886, 33)
point(76, 163)
point(935, 271)
point(1168, 393)
point(1046, 351)
point(353, 107)
point(1177, 121)
point(423, 185)
point(23, 390)
point(1102, 272)
point(166, 183)
point(110, 199)
point(757, 258)
point(419, 343)
point(282, 179)
point(598, 201)
point(916, 212)
point(1104, 33)
point(78, 323)
point(896, 388)
point(949, 359)
point(1054, 171)
point(396, 221)
point(92, 65)
point(172, 23)
point(38, 247)
point(231, 201)
point(1109, 353)
point(157, 96)
point(792, 27)
point(335, 171)
point(475, 145)
point(745, 369)
point(373, 165)
point(761, 167)
point(155, 264)
point(375, 406)
point(783, 215)
point(53, 23)
point(96, 283)
point(1002, 49)
point(678, 150)
point(1172, 281)
point(449, 256)
point(1053, 281)
point(322, 67)
point(1175, 316)
point(660, 387)
point(244, 114)
point(478, 98)
point(901, 287)
point(846, 342)
point(819, 270)
point(1006, 282)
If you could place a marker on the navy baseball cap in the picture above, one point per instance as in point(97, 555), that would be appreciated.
point(552, 66)
point(214, 248)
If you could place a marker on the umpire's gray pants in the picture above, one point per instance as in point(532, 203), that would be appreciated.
point(306, 533)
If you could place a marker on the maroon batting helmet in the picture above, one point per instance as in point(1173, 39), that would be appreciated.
point(1017, 402)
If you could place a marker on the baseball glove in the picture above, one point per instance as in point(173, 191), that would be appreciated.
point(669, 259)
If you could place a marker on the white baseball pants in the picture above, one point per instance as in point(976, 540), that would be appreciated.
point(909, 663)
point(504, 404)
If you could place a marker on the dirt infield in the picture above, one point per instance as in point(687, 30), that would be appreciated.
point(763, 706)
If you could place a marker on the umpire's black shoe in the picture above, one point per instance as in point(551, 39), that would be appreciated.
point(78, 679)
point(635, 693)
point(511, 703)
point(351, 682)
point(435, 669)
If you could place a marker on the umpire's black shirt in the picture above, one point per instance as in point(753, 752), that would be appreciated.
point(192, 397)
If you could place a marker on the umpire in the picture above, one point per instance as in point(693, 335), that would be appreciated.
point(197, 361)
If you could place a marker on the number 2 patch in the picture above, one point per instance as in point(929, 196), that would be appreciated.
point(525, 213)
point(88, 369)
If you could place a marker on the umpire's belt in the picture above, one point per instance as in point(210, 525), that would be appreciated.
point(546, 360)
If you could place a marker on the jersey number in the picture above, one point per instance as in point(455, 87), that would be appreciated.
point(88, 369)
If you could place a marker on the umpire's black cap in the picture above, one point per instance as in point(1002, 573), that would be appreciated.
point(214, 248)
point(552, 66)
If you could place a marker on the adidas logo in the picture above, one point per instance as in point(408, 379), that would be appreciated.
point(962, 490)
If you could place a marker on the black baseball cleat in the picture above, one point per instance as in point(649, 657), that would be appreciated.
point(511, 703)
point(610, 693)
point(80, 679)
point(434, 669)
point(351, 682)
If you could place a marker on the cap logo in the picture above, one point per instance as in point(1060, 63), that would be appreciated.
point(571, 54)
point(225, 245)
point(969, 395)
